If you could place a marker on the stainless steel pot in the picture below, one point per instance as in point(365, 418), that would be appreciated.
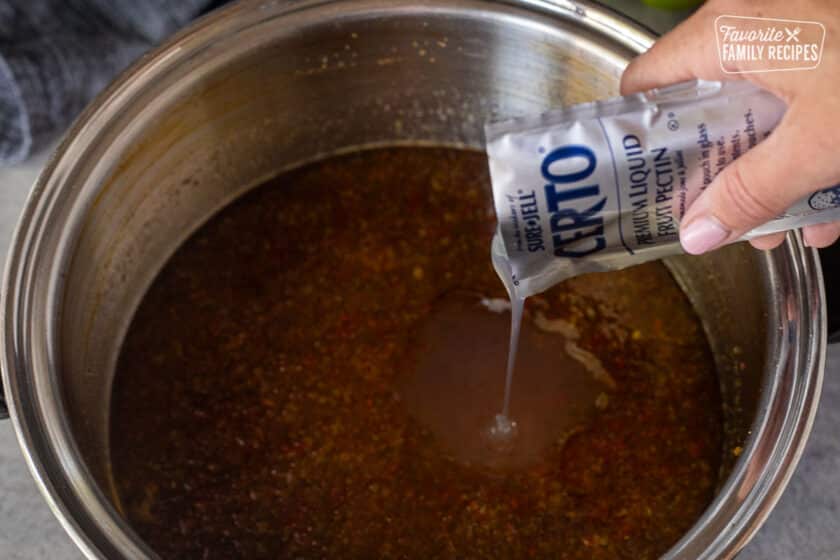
point(266, 85)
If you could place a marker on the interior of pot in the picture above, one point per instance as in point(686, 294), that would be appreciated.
point(294, 84)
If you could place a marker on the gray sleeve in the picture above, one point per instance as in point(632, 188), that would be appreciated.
point(55, 55)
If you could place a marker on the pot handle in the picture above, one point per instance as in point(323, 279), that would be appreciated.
point(830, 258)
point(4, 410)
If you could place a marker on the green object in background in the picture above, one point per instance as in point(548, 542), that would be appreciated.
point(673, 4)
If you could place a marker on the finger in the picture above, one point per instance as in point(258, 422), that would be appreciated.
point(821, 235)
point(689, 51)
point(767, 242)
point(755, 188)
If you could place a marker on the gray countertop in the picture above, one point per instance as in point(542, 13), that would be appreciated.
point(28, 530)
point(805, 524)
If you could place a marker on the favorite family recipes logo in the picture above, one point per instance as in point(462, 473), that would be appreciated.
point(753, 44)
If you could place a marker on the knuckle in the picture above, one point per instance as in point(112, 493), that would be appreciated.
point(823, 235)
point(741, 199)
point(766, 242)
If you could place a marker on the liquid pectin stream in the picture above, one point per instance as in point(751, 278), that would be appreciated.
point(504, 429)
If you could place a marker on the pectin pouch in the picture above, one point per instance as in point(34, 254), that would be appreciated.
point(603, 185)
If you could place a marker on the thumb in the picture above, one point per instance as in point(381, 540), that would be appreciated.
point(756, 187)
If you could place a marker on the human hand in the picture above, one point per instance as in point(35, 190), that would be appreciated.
point(801, 156)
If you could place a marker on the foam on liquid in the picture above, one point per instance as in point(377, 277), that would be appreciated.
point(454, 388)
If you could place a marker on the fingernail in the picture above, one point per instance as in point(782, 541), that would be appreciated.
point(703, 234)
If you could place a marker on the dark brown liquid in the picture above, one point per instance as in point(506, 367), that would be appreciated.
point(275, 394)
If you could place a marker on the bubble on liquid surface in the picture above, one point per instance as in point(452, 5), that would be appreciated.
point(502, 433)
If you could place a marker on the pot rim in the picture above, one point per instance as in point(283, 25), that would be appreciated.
point(784, 418)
